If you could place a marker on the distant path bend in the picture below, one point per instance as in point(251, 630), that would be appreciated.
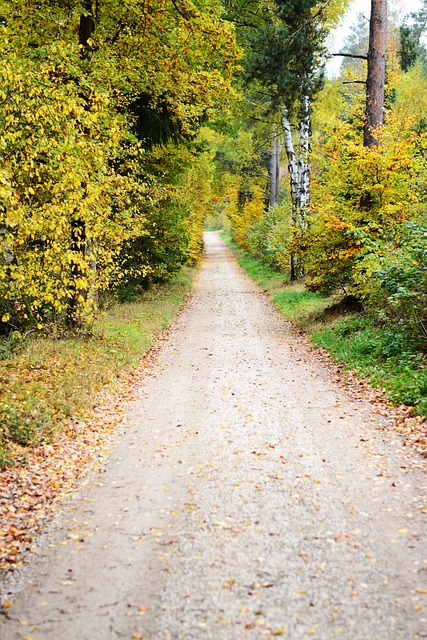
point(248, 497)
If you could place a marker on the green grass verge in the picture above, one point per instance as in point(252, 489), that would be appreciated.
point(294, 302)
point(44, 381)
point(388, 357)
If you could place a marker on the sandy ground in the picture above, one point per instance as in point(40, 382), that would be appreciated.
point(246, 497)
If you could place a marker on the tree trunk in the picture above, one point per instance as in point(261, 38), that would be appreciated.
point(300, 175)
point(275, 166)
point(78, 226)
point(374, 114)
point(293, 169)
point(86, 27)
point(304, 165)
point(292, 163)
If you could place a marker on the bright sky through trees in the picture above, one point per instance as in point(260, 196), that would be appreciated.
point(362, 6)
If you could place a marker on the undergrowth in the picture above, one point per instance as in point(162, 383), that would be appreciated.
point(46, 380)
point(388, 356)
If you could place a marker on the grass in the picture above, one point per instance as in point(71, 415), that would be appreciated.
point(292, 300)
point(387, 356)
point(45, 380)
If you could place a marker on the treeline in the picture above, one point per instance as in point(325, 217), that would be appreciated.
point(306, 190)
point(102, 174)
point(124, 123)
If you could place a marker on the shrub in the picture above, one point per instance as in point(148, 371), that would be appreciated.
point(269, 238)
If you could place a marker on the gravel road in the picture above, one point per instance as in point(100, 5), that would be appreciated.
point(247, 497)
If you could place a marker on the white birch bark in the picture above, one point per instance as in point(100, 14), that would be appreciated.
point(278, 165)
point(293, 168)
point(292, 162)
point(299, 174)
point(273, 175)
point(304, 165)
point(275, 166)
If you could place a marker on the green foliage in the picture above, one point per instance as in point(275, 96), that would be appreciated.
point(285, 50)
point(400, 284)
point(412, 48)
point(297, 304)
point(389, 357)
point(269, 238)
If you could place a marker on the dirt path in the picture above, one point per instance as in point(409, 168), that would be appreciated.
point(246, 498)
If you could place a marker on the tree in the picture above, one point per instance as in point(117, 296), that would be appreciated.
point(79, 81)
point(275, 169)
point(411, 46)
point(375, 81)
point(286, 55)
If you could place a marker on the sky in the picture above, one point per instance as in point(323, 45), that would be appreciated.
point(401, 7)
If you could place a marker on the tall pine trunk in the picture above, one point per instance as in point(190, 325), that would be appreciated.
point(374, 114)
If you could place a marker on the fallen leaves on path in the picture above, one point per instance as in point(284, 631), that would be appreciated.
point(412, 428)
point(34, 488)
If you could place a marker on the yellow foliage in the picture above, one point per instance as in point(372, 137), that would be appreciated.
point(363, 197)
point(75, 204)
point(243, 218)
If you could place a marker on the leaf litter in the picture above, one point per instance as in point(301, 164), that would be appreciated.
point(41, 478)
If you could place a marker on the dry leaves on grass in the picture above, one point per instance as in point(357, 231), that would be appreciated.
point(31, 490)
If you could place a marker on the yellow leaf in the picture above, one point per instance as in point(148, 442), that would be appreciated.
point(228, 584)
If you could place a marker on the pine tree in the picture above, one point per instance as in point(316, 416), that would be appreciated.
point(375, 81)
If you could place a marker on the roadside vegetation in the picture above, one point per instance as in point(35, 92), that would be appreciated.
point(123, 131)
point(48, 378)
point(386, 355)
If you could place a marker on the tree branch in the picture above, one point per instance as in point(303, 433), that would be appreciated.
point(352, 55)
point(182, 13)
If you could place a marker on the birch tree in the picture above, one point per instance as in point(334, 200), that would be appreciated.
point(286, 55)
point(275, 168)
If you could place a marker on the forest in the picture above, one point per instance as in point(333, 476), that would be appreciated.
point(127, 127)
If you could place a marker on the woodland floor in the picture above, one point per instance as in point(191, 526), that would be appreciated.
point(245, 495)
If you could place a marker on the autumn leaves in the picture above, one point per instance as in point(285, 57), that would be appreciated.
point(85, 207)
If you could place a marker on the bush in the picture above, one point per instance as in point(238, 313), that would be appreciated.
point(269, 238)
point(399, 285)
